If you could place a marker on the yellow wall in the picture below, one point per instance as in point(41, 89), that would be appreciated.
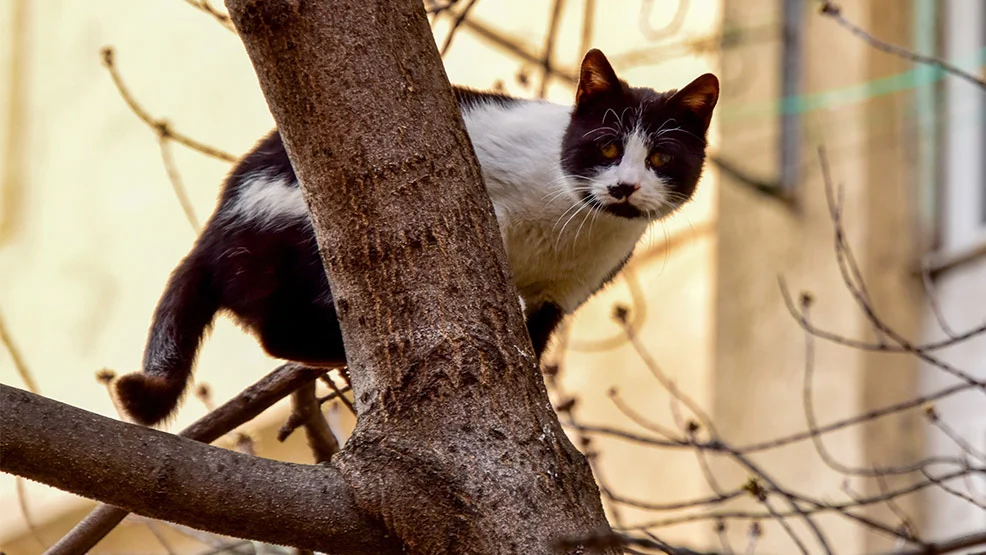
point(760, 357)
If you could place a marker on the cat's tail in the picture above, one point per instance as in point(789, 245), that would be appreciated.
point(183, 315)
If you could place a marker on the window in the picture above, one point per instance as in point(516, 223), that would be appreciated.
point(963, 156)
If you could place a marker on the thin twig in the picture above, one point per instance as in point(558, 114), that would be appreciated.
point(327, 379)
point(15, 355)
point(906, 526)
point(669, 30)
point(768, 188)
point(817, 507)
point(456, 23)
point(516, 48)
point(26, 513)
point(679, 505)
point(878, 347)
point(932, 296)
point(852, 277)
point(307, 411)
point(740, 458)
point(206, 7)
point(949, 546)
point(834, 11)
point(638, 303)
point(176, 182)
point(161, 127)
point(152, 526)
point(932, 415)
point(549, 45)
point(727, 546)
point(434, 8)
point(588, 24)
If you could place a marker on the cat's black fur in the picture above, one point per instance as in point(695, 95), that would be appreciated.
point(267, 273)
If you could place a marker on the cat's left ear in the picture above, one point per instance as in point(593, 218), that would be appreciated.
point(597, 80)
point(699, 97)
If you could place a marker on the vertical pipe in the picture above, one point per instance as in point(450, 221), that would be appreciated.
point(924, 26)
point(792, 58)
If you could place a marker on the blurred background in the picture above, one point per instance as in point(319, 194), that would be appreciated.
point(804, 352)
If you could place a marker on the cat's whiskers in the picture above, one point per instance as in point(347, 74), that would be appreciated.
point(588, 235)
point(664, 125)
point(619, 122)
point(609, 129)
point(563, 186)
point(582, 203)
point(575, 206)
point(623, 115)
point(659, 136)
point(575, 241)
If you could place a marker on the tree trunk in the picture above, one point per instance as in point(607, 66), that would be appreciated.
point(456, 448)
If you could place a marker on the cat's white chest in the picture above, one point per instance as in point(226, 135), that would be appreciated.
point(566, 266)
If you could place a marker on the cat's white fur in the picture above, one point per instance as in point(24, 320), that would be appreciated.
point(560, 248)
point(267, 200)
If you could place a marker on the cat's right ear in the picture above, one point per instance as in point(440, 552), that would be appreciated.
point(597, 80)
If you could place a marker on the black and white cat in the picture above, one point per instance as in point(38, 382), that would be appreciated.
point(573, 188)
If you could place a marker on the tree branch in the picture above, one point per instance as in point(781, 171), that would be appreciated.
point(237, 411)
point(947, 546)
point(306, 411)
point(164, 476)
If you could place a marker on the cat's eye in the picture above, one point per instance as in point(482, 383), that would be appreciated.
point(609, 150)
point(659, 159)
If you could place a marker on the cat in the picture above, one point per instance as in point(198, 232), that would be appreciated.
point(573, 190)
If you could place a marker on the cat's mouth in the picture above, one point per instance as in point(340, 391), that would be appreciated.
point(622, 209)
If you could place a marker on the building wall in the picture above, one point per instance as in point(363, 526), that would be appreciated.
point(761, 356)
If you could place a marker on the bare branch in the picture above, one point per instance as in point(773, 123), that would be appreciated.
point(26, 513)
point(237, 411)
point(515, 47)
point(161, 127)
point(307, 411)
point(207, 8)
point(91, 455)
point(15, 355)
point(769, 189)
point(549, 45)
point(669, 30)
point(834, 11)
point(879, 347)
point(339, 393)
point(176, 182)
point(948, 546)
point(460, 18)
point(588, 22)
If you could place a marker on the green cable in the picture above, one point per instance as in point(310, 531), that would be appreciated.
point(842, 96)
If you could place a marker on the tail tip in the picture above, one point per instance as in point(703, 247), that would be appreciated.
point(146, 398)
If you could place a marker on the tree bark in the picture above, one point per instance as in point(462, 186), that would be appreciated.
point(456, 447)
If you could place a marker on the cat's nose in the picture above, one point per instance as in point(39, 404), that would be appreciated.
point(622, 191)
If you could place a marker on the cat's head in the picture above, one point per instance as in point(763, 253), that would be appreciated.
point(635, 152)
